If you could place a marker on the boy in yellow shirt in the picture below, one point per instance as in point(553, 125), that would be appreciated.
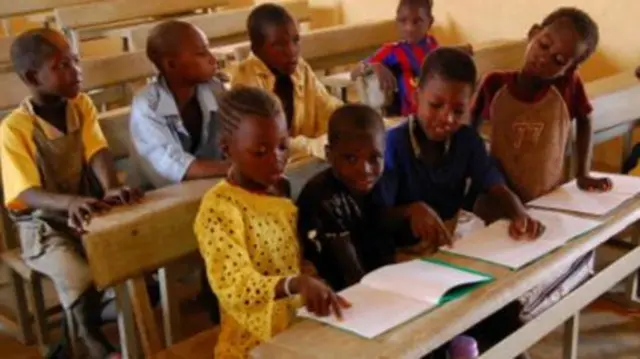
point(275, 65)
point(57, 172)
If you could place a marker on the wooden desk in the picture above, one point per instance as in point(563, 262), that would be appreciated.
point(9, 8)
point(310, 339)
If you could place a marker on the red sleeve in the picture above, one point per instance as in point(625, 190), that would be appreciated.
point(381, 55)
point(576, 97)
point(487, 90)
point(433, 42)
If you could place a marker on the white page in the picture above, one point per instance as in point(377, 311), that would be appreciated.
point(372, 311)
point(421, 280)
point(570, 198)
point(493, 243)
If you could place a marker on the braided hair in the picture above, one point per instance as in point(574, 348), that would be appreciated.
point(582, 23)
point(242, 102)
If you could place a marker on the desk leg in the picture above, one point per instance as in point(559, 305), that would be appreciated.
point(170, 306)
point(126, 326)
point(632, 289)
point(571, 335)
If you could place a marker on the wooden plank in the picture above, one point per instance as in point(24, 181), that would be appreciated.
point(115, 126)
point(9, 8)
point(615, 105)
point(5, 47)
point(110, 11)
point(217, 25)
point(309, 339)
point(143, 314)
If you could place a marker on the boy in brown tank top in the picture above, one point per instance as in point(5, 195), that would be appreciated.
point(57, 172)
point(529, 113)
point(530, 110)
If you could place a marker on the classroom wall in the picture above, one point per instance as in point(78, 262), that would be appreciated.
point(483, 20)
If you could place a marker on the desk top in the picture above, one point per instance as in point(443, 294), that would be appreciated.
point(310, 339)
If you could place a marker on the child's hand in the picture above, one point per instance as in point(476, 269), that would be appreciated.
point(318, 298)
point(592, 184)
point(81, 209)
point(525, 227)
point(122, 195)
point(387, 81)
point(427, 226)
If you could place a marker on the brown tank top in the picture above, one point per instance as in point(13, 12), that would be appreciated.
point(529, 141)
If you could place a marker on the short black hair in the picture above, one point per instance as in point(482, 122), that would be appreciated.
point(264, 15)
point(353, 118)
point(164, 40)
point(582, 23)
point(31, 49)
point(449, 63)
point(420, 4)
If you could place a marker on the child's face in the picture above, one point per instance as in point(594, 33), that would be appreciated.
point(281, 47)
point(60, 75)
point(413, 22)
point(358, 161)
point(192, 62)
point(259, 149)
point(443, 106)
point(552, 50)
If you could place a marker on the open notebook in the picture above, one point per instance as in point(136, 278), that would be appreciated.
point(394, 294)
point(570, 198)
point(493, 244)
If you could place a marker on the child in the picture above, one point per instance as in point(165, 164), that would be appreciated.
point(275, 65)
point(246, 229)
point(339, 207)
point(432, 156)
point(57, 172)
point(174, 119)
point(530, 111)
point(174, 125)
point(397, 64)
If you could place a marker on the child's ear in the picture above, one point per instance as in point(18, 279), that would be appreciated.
point(31, 77)
point(535, 29)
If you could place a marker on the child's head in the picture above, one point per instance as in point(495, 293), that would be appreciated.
point(274, 37)
point(180, 52)
point(446, 84)
point(414, 18)
point(565, 39)
point(45, 62)
point(356, 146)
point(254, 135)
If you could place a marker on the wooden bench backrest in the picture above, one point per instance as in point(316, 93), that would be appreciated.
point(219, 25)
point(5, 46)
point(11, 8)
point(501, 55)
point(113, 11)
point(339, 45)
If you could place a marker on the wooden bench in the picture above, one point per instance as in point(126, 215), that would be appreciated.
point(9, 8)
point(221, 27)
point(107, 14)
point(5, 53)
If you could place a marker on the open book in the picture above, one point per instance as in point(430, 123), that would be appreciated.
point(493, 244)
point(572, 199)
point(394, 294)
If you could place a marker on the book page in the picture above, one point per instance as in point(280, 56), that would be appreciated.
point(493, 244)
point(570, 198)
point(372, 311)
point(420, 280)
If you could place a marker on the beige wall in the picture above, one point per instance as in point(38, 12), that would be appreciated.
point(483, 20)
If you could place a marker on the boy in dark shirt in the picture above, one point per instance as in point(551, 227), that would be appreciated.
point(339, 208)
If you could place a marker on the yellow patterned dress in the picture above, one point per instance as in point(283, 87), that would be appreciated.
point(248, 243)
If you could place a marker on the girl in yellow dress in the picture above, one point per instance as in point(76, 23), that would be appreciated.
point(246, 229)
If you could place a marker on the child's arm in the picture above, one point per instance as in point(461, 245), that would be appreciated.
point(522, 225)
point(583, 143)
point(379, 64)
point(79, 209)
point(104, 169)
point(425, 224)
